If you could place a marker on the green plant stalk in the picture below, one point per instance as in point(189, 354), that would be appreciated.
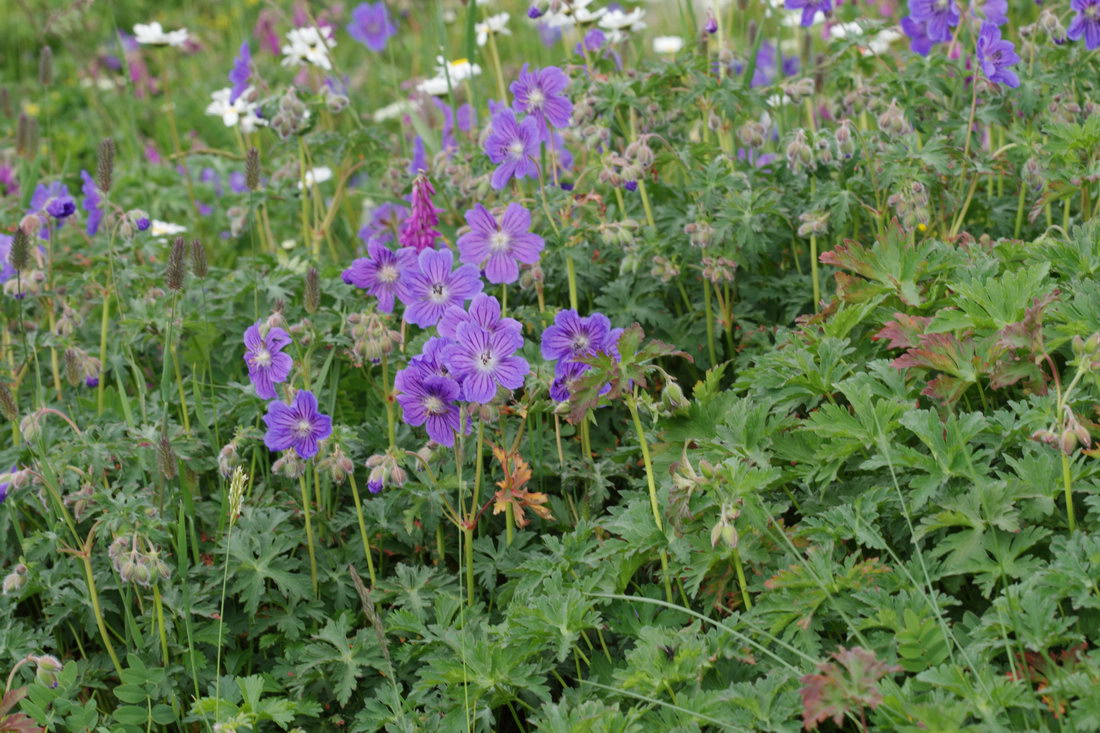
point(711, 350)
point(309, 532)
point(221, 625)
point(97, 610)
point(160, 622)
point(741, 578)
point(1020, 210)
point(1067, 483)
point(179, 388)
point(632, 405)
point(362, 527)
point(391, 422)
point(814, 274)
point(104, 321)
point(571, 274)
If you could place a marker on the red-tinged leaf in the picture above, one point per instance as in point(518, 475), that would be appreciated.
point(904, 331)
point(848, 686)
point(892, 261)
point(1027, 334)
point(11, 697)
point(943, 352)
point(945, 388)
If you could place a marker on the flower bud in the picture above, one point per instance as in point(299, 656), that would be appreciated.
point(711, 24)
point(673, 399)
point(45, 66)
point(31, 425)
point(48, 669)
point(176, 268)
point(198, 259)
point(105, 164)
point(15, 580)
point(892, 121)
point(312, 291)
point(252, 169)
point(9, 408)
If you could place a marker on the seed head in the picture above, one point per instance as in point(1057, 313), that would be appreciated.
point(105, 164)
point(312, 291)
point(166, 459)
point(198, 259)
point(252, 169)
point(45, 66)
point(176, 269)
point(26, 137)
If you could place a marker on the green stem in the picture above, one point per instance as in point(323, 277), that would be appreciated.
point(160, 622)
point(571, 273)
point(1020, 210)
point(711, 350)
point(632, 405)
point(103, 322)
point(1067, 483)
point(509, 523)
point(387, 398)
point(97, 610)
point(741, 578)
point(309, 532)
point(813, 273)
point(362, 527)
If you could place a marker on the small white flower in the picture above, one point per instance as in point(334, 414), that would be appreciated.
point(668, 44)
point(619, 20)
point(160, 229)
point(242, 112)
point(152, 34)
point(497, 24)
point(436, 86)
point(459, 69)
point(309, 45)
point(316, 175)
point(884, 39)
point(393, 111)
point(581, 13)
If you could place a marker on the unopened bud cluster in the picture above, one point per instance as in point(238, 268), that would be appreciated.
point(385, 470)
point(372, 338)
point(136, 560)
point(337, 465)
point(911, 205)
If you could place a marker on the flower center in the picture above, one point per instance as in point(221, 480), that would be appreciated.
point(434, 405)
point(516, 149)
point(486, 361)
point(387, 274)
point(499, 241)
point(262, 358)
point(1092, 11)
point(581, 342)
point(303, 428)
point(536, 98)
point(438, 294)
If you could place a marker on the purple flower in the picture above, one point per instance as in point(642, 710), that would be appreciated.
point(433, 287)
point(8, 184)
point(143, 223)
point(919, 42)
point(593, 39)
point(499, 245)
point(513, 146)
point(566, 376)
point(630, 186)
point(482, 360)
point(938, 16)
point(54, 199)
point(539, 93)
point(430, 401)
point(370, 25)
point(534, 12)
point(91, 203)
point(430, 362)
point(994, 11)
point(572, 336)
point(267, 365)
point(7, 272)
point(298, 425)
point(996, 55)
point(1086, 23)
point(418, 230)
point(241, 72)
point(237, 182)
point(810, 8)
point(484, 312)
point(5, 483)
point(385, 223)
point(419, 160)
point(381, 273)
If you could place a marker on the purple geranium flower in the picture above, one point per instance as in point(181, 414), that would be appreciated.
point(267, 365)
point(381, 273)
point(237, 182)
point(299, 425)
point(430, 362)
point(482, 360)
point(810, 8)
point(419, 161)
point(938, 16)
point(7, 272)
point(561, 389)
point(996, 55)
point(5, 483)
point(241, 72)
point(994, 11)
point(91, 203)
point(430, 401)
point(8, 184)
point(418, 230)
point(385, 223)
point(484, 311)
point(433, 287)
point(539, 94)
point(572, 336)
point(53, 198)
point(1086, 23)
point(370, 25)
point(513, 146)
point(498, 246)
point(919, 42)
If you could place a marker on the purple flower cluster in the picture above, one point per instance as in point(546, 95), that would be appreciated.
point(473, 357)
point(996, 55)
point(512, 143)
point(418, 230)
point(498, 246)
point(572, 337)
point(241, 72)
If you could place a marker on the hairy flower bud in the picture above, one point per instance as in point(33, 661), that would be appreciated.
point(198, 259)
point(45, 66)
point(252, 169)
point(9, 408)
point(312, 291)
point(176, 269)
point(228, 460)
point(15, 580)
point(892, 121)
point(166, 459)
point(20, 255)
point(673, 399)
point(47, 670)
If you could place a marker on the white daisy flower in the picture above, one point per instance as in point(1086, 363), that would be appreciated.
point(309, 46)
point(161, 229)
point(316, 176)
point(393, 111)
point(668, 44)
point(242, 112)
point(497, 24)
point(619, 20)
point(152, 34)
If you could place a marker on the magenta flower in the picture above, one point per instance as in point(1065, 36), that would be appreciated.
point(267, 365)
point(539, 94)
point(430, 401)
point(418, 230)
point(91, 203)
point(498, 246)
point(996, 55)
point(241, 72)
point(433, 287)
point(481, 360)
point(299, 425)
point(381, 273)
point(484, 312)
point(938, 16)
point(810, 8)
point(370, 25)
point(513, 146)
point(1086, 23)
